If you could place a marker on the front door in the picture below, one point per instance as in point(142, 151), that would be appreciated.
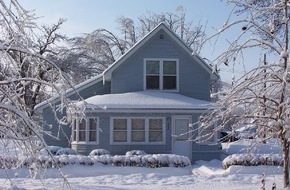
point(181, 134)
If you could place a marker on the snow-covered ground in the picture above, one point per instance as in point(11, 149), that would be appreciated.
point(202, 175)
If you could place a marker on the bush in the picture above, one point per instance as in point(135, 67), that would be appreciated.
point(135, 152)
point(99, 152)
point(52, 149)
point(67, 151)
point(253, 160)
point(44, 161)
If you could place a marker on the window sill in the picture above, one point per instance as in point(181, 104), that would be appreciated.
point(162, 90)
point(84, 143)
point(135, 143)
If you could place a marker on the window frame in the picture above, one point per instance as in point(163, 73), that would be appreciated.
point(143, 130)
point(76, 130)
point(129, 131)
point(161, 74)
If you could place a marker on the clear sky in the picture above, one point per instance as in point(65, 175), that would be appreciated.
point(88, 15)
point(84, 16)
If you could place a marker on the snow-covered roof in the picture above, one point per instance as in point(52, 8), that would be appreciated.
point(106, 75)
point(69, 92)
point(143, 100)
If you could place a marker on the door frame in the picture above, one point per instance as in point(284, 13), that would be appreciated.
point(173, 118)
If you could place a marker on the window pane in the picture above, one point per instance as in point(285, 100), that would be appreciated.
point(74, 135)
point(138, 124)
point(120, 124)
point(74, 124)
point(74, 130)
point(155, 136)
point(152, 82)
point(93, 124)
point(120, 136)
point(138, 136)
point(82, 124)
point(152, 67)
point(181, 129)
point(169, 67)
point(82, 135)
point(93, 136)
point(155, 124)
point(169, 82)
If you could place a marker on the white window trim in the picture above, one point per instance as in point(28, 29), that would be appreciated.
point(205, 142)
point(161, 60)
point(87, 131)
point(129, 130)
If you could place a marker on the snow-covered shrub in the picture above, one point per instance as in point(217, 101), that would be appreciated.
point(135, 152)
point(253, 160)
point(67, 151)
point(8, 162)
point(118, 160)
point(46, 161)
point(52, 149)
point(83, 160)
point(104, 159)
point(98, 152)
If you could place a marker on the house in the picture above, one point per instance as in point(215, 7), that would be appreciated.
point(150, 99)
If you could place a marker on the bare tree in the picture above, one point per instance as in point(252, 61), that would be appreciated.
point(102, 47)
point(27, 76)
point(260, 99)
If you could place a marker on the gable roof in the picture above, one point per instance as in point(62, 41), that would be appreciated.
point(107, 74)
point(69, 92)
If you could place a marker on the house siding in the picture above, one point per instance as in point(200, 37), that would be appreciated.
point(129, 77)
point(55, 134)
point(63, 132)
point(104, 136)
point(205, 152)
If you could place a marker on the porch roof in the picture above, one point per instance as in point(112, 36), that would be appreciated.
point(143, 100)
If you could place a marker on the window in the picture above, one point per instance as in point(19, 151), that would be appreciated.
point(85, 130)
point(137, 130)
point(155, 130)
point(120, 130)
point(82, 130)
point(169, 75)
point(181, 129)
point(152, 75)
point(161, 74)
point(74, 129)
point(93, 130)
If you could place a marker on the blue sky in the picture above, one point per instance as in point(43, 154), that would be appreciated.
point(84, 16)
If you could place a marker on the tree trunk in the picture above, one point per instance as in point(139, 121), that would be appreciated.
point(284, 139)
point(285, 162)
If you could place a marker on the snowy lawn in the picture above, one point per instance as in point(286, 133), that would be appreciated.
point(202, 175)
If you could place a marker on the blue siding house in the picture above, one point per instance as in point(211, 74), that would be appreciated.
point(150, 99)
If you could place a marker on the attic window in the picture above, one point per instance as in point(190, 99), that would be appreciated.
point(161, 74)
point(161, 36)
